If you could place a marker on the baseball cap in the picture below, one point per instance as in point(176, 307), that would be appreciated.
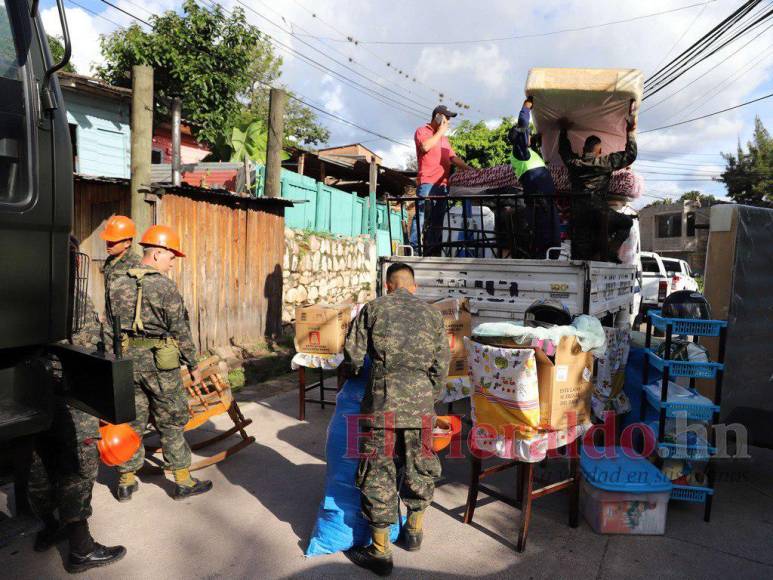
point(442, 109)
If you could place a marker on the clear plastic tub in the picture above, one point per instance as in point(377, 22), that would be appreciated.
point(609, 512)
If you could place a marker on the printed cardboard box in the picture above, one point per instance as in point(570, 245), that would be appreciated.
point(564, 384)
point(458, 324)
point(321, 329)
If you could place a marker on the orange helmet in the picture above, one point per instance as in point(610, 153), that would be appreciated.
point(118, 228)
point(117, 443)
point(162, 237)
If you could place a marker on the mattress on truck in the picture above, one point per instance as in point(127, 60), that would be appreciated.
point(596, 101)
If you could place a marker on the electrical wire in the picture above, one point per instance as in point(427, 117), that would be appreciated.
point(681, 37)
point(657, 86)
point(525, 36)
point(94, 13)
point(709, 114)
point(420, 113)
point(126, 12)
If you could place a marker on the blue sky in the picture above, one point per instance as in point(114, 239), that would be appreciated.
point(489, 75)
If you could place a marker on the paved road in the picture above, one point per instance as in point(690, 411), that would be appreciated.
point(257, 520)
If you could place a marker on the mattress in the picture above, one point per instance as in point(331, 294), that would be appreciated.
point(596, 101)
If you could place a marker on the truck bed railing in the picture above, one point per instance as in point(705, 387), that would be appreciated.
point(488, 225)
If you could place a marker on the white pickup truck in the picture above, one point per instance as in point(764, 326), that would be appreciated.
point(654, 286)
point(501, 290)
point(680, 274)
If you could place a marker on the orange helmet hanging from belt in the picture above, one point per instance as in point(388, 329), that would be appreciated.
point(162, 237)
point(118, 228)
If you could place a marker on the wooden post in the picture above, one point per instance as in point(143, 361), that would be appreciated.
point(141, 145)
point(276, 109)
point(301, 163)
point(372, 197)
point(177, 106)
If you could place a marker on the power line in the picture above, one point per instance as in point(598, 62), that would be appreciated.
point(350, 39)
point(745, 69)
point(660, 84)
point(127, 13)
point(524, 36)
point(94, 13)
point(712, 69)
point(406, 106)
point(702, 43)
point(708, 115)
point(321, 109)
point(686, 30)
point(294, 35)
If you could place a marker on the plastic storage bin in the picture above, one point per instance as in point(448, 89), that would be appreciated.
point(681, 402)
point(686, 327)
point(622, 493)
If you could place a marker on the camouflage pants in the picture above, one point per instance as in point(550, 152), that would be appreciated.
point(64, 467)
point(377, 475)
point(159, 396)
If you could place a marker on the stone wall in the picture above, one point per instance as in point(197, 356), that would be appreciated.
point(321, 268)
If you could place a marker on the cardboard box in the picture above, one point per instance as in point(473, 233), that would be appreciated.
point(321, 329)
point(564, 384)
point(458, 324)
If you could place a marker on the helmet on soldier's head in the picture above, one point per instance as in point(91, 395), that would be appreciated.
point(117, 228)
point(162, 237)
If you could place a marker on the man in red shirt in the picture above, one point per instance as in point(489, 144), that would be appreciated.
point(435, 157)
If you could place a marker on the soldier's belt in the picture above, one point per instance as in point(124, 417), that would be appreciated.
point(145, 342)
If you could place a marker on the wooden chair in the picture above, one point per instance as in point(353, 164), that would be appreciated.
point(525, 492)
point(207, 399)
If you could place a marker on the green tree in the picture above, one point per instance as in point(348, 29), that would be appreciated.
point(213, 61)
point(748, 175)
point(480, 146)
point(57, 52)
point(706, 199)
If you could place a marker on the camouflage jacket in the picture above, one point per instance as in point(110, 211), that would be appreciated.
point(407, 344)
point(90, 334)
point(162, 312)
point(591, 174)
point(116, 267)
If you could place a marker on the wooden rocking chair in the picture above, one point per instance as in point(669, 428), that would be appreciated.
point(209, 398)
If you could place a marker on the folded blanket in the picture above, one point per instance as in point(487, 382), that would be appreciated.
point(625, 183)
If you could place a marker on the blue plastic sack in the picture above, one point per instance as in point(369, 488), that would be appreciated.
point(340, 524)
point(634, 389)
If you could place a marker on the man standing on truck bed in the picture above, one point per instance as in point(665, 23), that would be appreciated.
point(534, 177)
point(434, 156)
point(157, 337)
point(596, 227)
point(406, 341)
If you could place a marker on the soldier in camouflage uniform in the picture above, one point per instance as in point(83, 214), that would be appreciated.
point(64, 468)
point(118, 234)
point(407, 344)
point(157, 337)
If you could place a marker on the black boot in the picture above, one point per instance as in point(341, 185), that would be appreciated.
point(85, 553)
point(378, 556)
point(367, 558)
point(125, 492)
point(198, 487)
point(96, 558)
point(50, 535)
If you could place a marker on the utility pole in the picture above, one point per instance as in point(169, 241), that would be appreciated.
point(141, 145)
point(373, 183)
point(276, 110)
point(177, 106)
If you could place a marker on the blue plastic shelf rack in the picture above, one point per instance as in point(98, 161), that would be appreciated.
point(678, 368)
point(695, 406)
point(685, 327)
